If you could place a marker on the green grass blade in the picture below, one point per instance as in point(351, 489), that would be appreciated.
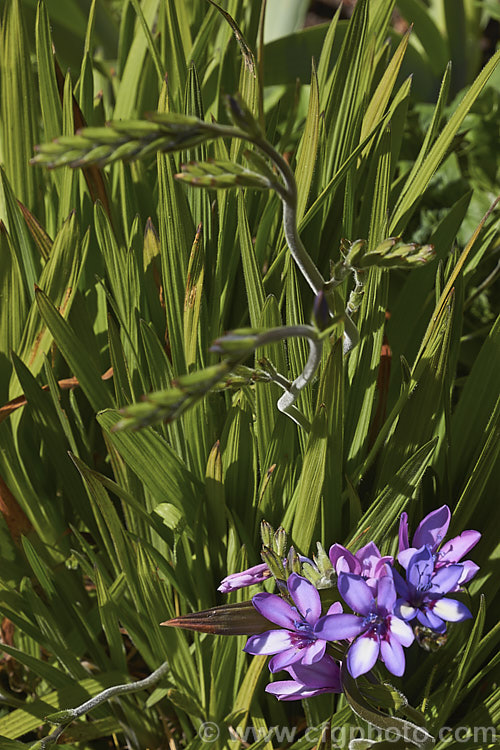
point(22, 245)
point(267, 394)
point(13, 306)
point(192, 302)
point(59, 281)
point(50, 102)
point(416, 183)
point(155, 463)
point(391, 501)
point(253, 280)
point(69, 344)
point(19, 118)
point(308, 148)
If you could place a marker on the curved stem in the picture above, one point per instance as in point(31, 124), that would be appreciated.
point(306, 265)
point(65, 717)
point(351, 334)
point(289, 199)
point(286, 402)
point(302, 258)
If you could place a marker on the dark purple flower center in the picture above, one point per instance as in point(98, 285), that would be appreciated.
point(376, 624)
point(303, 635)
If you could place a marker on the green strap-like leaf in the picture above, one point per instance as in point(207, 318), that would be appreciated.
point(416, 183)
point(400, 488)
point(155, 463)
point(70, 346)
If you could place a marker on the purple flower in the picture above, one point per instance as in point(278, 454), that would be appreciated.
point(378, 633)
point(297, 639)
point(247, 577)
point(321, 677)
point(431, 532)
point(423, 592)
point(366, 562)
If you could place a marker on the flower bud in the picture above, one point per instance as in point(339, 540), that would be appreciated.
point(279, 544)
point(355, 253)
point(274, 563)
point(321, 312)
point(266, 534)
point(242, 117)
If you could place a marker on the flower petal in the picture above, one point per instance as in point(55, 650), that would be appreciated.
point(405, 556)
point(350, 564)
point(444, 580)
point(335, 609)
point(314, 652)
point(289, 690)
point(275, 609)
point(338, 627)
point(368, 556)
point(362, 655)
point(356, 592)
point(247, 577)
point(286, 690)
point(285, 658)
point(393, 655)
point(322, 674)
point(400, 630)
point(305, 597)
point(369, 550)
point(270, 642)
point(403, 532)
point(386, 594)
point(427, 618)
point(456, 548)
point(379, 568)
point(432, 529)
point(402, 587)
point(404, 610)
point(451, 610)
point(469, 571)
point(420, 568)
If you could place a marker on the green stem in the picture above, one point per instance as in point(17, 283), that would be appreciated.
point(302, 258)
point(286, 404)
point(289, 199)
point(65, 717)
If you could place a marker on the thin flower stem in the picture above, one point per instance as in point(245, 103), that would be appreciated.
point(65, 717)
point(286, 404)
point(351, 334)
point(289, 199)
point(302, 258)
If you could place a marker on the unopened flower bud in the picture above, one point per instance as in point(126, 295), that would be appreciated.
point(355, 254)
point(279, 544)
point(266, 534)
point(321, 311)
point(242, 117)
point(274, 563)
point(293, 562)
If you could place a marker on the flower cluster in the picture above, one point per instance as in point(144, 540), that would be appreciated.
point(309, 644)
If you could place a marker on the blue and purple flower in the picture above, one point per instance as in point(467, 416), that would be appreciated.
point(423, 594)
point(367, 562)
point(297, 640)
point(321, 677)
point(431, 532)
point(378, 632)
point(248, 577)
